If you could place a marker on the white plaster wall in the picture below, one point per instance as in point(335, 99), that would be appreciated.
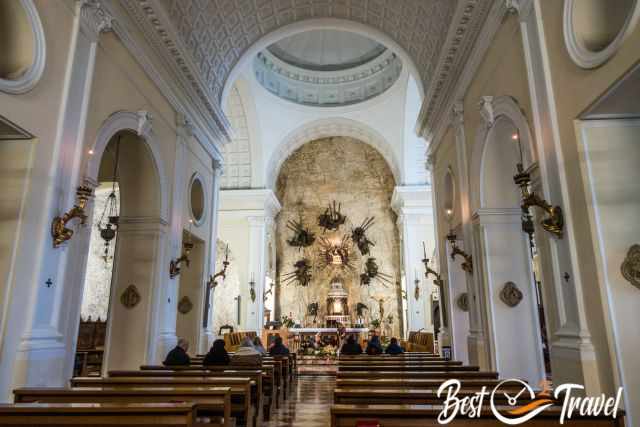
point(609, 159)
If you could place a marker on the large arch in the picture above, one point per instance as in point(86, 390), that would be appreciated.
point(329, 127)
point(138, 122)
point(141, 239)
point(324, 24)
point(503, 256)
point(492, 110)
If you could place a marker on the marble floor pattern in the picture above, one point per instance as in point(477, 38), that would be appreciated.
point(307, 405)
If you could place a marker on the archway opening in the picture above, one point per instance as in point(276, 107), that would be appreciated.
point(513, 287)
point(117, 283)
point(351, 179)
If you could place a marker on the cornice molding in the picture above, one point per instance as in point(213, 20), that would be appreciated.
point(129, 24)
point(468, 22)
point(434, 122)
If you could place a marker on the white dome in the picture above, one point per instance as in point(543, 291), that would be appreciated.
point(326, 50)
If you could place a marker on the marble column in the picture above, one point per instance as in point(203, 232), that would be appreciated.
point(413, 205)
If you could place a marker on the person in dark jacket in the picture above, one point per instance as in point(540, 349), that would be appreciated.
point(351, 347)
point(374, 347)
point(278, 348)
point(178, 356)
point(394, 347)
point(217, 355)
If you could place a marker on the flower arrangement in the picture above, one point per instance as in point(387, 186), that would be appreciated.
point(287, 321)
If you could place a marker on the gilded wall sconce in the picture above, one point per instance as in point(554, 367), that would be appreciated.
point(174, 265)
point(467, 264)
point(212, 282)
point(554, 222)
point(59, 230)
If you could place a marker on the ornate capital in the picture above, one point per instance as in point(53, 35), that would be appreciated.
point(520, 7)
point(145, 121)
point(185, 125)
point(457, 114)
point(94, 19)
point(487, 110)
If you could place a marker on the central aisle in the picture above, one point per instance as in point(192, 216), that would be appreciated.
point(307, 405)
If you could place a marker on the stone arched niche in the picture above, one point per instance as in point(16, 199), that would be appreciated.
point(356, 176)
point(22, 45)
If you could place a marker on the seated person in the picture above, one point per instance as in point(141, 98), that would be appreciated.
point(394, 347)
point(374, 347)
point(246, 354)
point(217, 355)
point(178, 356)
point(257, 344)
point(351, 347)
point(278, 348)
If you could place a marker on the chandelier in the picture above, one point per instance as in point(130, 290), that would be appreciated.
point(108, 224)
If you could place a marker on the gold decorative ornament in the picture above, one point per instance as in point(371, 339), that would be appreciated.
point(130, 297)
point(467, 264)
point(59, 230)
point(510, 294)
point(185, 305)
point(174, 265)
point(554, 222)
point(212, 282)
point(630, 267)
point(416, 291)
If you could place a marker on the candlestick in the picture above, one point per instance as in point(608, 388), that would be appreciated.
point(424, 249)
point(226, 253)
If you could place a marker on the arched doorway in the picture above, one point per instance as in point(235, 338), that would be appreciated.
point(511, 300)
point(118, 282)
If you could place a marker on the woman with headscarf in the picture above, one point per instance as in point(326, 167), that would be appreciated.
point(246, 354)
point(217, 355)
point(374, 347)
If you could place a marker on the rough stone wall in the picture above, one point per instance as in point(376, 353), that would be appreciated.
point(356, 175)
point(97, 282)
point(225, 306)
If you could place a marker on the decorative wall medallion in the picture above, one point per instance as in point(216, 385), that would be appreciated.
point(510, 294)
point(130, 297)
point(185, 305)
point(631, 266)
point(463, 301)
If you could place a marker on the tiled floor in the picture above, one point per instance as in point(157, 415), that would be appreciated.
point(307, 405)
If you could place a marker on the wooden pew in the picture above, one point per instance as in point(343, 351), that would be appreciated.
point(100, 414)
point(274, 372)
point(245, 403)
point(264, 382)
point(343, 415)
point(395, 360)
point(407, 367)
point(399, 396)
point(212, 401)
point(441, 375)
point(382, 363)
point(415, 383)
